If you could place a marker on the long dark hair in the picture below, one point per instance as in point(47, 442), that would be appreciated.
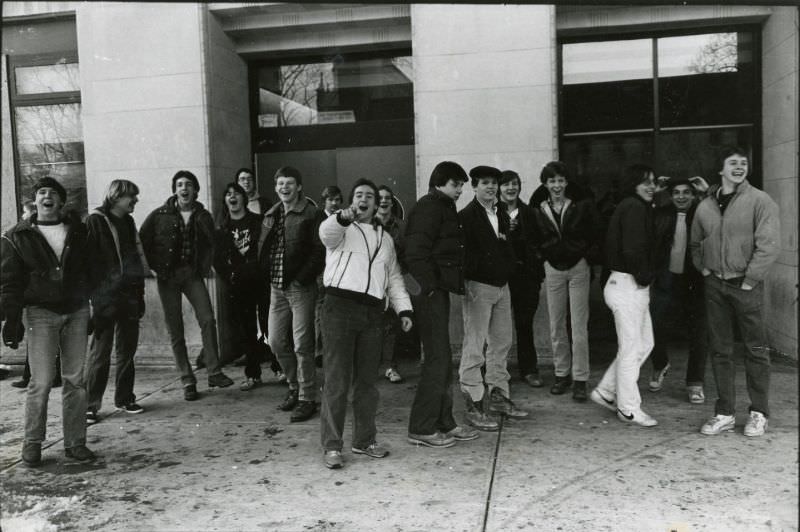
point(224, 215)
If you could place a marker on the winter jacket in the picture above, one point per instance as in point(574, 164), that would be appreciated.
point(630, 240)
point(742, 242)
point(489, 258)
point(361, 264)
point(115, 287)
point(577, 238)
point(434, 244)
point(235, 269)
point(161, 239)
point(524, 240)
point(32, 275)
point(304, 256)
point(664, 219)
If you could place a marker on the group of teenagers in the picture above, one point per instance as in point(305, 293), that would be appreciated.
point(333, 287)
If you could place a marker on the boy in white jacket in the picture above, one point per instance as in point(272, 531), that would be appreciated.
point(361, 270)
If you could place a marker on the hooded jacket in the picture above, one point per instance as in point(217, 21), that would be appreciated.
point(32, 275)
point(114, 286)
point(742, 242)
point(161, 239)
point(578, 235)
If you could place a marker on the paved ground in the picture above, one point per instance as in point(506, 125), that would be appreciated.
point(231, 461)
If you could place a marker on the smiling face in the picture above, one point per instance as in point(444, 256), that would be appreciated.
point(125, 204)
point(682, 196)
point(333, 203)
point(385, 202)
point(452, 189)
point(364, 202)
point(186, 192)
point(287, 189)
point(556, 186)
point(486, 190)
point(247, 182)
point(234, 201)
point(509, 192)
point(734, 170)
point(647, 188)
point(48, 204)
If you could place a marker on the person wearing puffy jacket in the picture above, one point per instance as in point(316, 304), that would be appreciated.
point(361, 272)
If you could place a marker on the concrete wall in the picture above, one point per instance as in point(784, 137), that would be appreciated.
point(483, 96)
point(8, 200)
point(781, 113)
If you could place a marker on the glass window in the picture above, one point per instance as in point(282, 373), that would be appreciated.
point(61, 77)
point(693, 152)
point(335, 92)
point(607, 86)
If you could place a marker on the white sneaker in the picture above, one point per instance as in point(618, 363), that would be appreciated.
point(657, 378)
point(717, 425)
point(756, 424)
point(696, 395)
point(637, 417)
point(600, 399)
point(393, 375)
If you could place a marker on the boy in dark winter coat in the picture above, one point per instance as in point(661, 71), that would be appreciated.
point(43, 270)
point(178, 240)
point(117, 268)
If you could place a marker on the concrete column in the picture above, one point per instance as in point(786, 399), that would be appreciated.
point(485, 93)
point(780, 129)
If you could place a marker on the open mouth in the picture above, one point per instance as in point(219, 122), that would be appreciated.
point(362, 208)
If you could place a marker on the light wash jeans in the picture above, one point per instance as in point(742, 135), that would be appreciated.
point(291, 316)
point(569, 287)
point(487, 322)
point(630, 304)
point(47, 333)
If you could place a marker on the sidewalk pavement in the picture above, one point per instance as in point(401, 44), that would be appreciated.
point(232, 461)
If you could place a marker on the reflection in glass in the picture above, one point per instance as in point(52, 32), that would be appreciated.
point(335, 92)
point(50, 142)
point(698, 54)
point(691, 153)
point(600, 62)
point(44, 79)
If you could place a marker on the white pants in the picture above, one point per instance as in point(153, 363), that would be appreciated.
point(630, 305)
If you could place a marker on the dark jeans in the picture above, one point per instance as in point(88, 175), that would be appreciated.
point(524, 302)
point(390, 330)
point(352, 335)
point(724, 304)
point(244, 317)
point(432, 409)
point(673, 302)
point(184, 282)
point(123, 333)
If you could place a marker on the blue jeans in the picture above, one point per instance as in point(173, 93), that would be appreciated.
point(352, 334)
point(192, 286)
point(291, 316)
point(724, 304)
point(47, 332)
point(123, 334)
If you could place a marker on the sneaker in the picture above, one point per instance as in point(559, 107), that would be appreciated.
point(561, 385)
point(250, 383)
point(393, 376)
point(462, 433)
point(22, 383)
point(605, 402)
point(657, 378)
point(303, 411)
point(637, 417)
point(131, 408)
point(374, 449)
point(219, 380)
point(501, 404)
point(717, 425)
point(533, 380)
point(80, 453)
point(290, 402)
point(332, 459)
point(756, 424)
point(32, 454)
point(190, 392)
point(92, 417)
point(579, 391)
point(437, 439)
point(696, 395)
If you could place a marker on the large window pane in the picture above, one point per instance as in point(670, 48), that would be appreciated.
point(335, 92)
point(50, 142)
point(607, 86)
point(706, 79)
point(61, 77)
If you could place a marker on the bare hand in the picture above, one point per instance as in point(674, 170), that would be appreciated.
point(348, 214)
point(406, 323)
